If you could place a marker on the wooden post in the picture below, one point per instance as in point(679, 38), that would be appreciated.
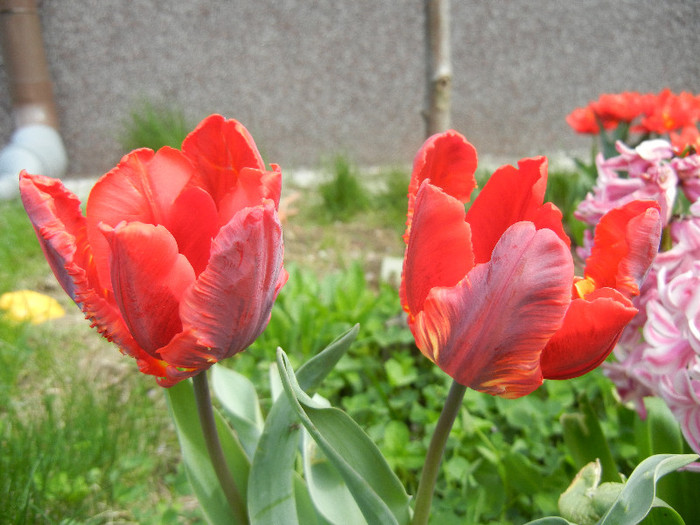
point(439, 66)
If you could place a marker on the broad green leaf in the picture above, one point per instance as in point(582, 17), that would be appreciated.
point(276, 387)
point(326, 487)
point(637, 496)
point(663, 516)
point(195, 457)
point(306, 511)
point(660, 433)
point(271, 490)
point(585, 440)
point(238, 397)
point(376, 489)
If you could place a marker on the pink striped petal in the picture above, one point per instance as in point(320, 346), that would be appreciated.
point(229, 305)
point(62, 232)
point(488, 331)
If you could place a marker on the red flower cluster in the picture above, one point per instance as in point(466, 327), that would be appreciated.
point(665, 112)
point(178, 259)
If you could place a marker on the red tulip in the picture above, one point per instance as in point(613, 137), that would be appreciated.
point(490, 293)
point(178, 258)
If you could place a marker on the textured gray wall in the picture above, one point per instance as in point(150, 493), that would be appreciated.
point(310, 78)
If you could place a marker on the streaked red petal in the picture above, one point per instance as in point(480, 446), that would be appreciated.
point(194, 223)
point(512, 195)
point(149, 277)
point(60, 227)
point(229, 305)
point(488, 331)
point(62, 232)
point(142, 188)
point(220, 149)
point(625, 244)
point(449, 161)
point(590, 331)
point(252, 187)
point(439, 247)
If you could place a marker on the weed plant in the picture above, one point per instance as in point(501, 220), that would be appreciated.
point(152, 125)
point(342, 195)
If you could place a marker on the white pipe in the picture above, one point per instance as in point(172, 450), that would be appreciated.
point(37, 148)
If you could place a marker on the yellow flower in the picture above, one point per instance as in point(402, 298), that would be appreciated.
point(27, 305)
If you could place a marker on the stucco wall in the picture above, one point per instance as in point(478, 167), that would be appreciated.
point(310, 78)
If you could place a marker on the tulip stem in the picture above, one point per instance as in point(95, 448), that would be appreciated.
point(216, 454)
point(426, 486)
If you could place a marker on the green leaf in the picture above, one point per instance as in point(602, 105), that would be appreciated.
point(585, 440)
point(240, 402)
point(660, 433)
point(376, 489)
point(637, 496)
point(205, 484)
point(271, 488)
point(326, 487)
point(663, 516)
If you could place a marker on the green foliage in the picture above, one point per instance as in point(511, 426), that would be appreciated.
point(20, 257)
point(153, 126)
point(66, 454)
point(79, 443)
point(567, 190)
point(342, 195)
point(390, 201)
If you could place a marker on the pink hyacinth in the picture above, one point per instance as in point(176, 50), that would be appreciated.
point(648, 176)
point(658, 354)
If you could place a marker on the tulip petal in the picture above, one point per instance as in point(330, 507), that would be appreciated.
point(488, 331)
point(512, 195)
point(150, 278)
point(625, 244)
point(142, 188)
point(449, 161)
point(62, 233)
point(252, 187)
point(220, 149)
point(60, 227)
point(230, 302)
point(590, 331)
point(439, 247)
point(194, 223)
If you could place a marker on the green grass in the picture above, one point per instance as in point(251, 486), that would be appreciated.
point(154, 125)
point(21, 259)
point(84, 438)
point(343, 195)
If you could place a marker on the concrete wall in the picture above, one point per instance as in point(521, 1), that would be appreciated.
point(310, 78)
